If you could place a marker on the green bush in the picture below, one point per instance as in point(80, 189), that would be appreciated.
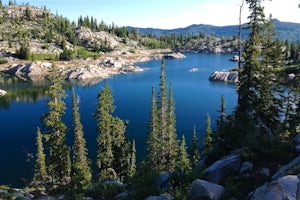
point(3, 61)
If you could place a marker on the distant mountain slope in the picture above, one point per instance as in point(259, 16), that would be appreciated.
point(285, 30)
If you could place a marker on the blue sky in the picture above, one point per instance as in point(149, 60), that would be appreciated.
point(165, 14)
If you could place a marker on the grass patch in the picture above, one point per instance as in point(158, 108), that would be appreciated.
point(85, 53)
point(3, 61)
point(43, 57)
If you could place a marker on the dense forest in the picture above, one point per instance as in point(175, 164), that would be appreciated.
point(260, 130)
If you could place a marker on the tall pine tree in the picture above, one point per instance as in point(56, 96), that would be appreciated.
point(171, 136)
point(153, 156)
point(195, 154)
point(163, 117)
point(113, 146)
point(183, 162)
point(59, 162)
point(162, 144)
point(40, 173)
point(81, 174)
point(208, 138)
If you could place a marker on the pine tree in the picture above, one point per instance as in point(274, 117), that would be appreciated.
point(163, 115)
point(81, 174)
point(113, 145)
point(171, 136)
point(162, 144)
point(103, 116)
point(59, 162)
point(183, 162)
point(208, 139)
point(195, 148)
point(219, 134)
point(267, 92)
point(248, 76)
point(132, 169)
point(1, 4)
point(40, 173)
point(153, 156)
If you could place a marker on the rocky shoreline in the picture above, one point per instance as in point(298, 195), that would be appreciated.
point(108, 65)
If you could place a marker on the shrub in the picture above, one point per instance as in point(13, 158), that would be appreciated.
point(3, 61)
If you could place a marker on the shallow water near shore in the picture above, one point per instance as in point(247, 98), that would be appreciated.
point(195, 96)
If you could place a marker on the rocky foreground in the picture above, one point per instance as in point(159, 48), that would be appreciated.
point(108, 65)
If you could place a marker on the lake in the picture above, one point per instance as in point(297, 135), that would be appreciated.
point(194, 94)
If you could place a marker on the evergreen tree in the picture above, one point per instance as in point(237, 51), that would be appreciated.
point(249, 78)
point(81, 174)
point(163, 115)
point(171, 137)
point(267, 103)
point(132, 169)
point(1, 4)
point(249, 75)
point(195, 148)
point(153, 157)
point(103, 116)
point(59, 163)
point(40, 173)
point(208, 139)
point(221, 121)
point(162, 144)
point(183, 162)
point(113, 146)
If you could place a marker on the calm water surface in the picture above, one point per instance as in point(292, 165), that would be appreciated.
point(195, 96)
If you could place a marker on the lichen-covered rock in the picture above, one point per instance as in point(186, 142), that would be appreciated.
point(200, 189)
point(284, 188)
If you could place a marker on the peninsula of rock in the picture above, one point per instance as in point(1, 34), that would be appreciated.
point(108, 65)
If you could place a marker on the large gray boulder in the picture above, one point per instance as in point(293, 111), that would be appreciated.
point(285, 188)
point(224, 76)
point(201, 188)
point(221, 168)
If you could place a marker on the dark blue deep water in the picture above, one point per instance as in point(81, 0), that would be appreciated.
point(195, 96)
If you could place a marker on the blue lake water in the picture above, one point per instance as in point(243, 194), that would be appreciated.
point(195, 96)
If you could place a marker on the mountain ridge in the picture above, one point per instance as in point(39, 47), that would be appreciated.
point(285, 30)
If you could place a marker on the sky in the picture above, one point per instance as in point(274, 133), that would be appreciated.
point(166, 14)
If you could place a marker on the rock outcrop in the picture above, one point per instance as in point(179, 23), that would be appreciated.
point(29, 70)
point(283, 171)
point(175, 55)
point(201, 189)
point(2, 93)
point(285, 188)
point(221, 168)
point(92, 39)
point(224, 76)
point(72, 70)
